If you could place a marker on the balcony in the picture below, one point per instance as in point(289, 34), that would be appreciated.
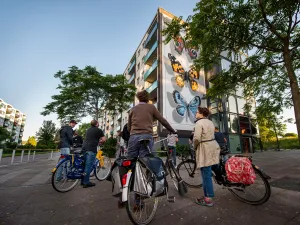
point(150, 56)
point(118, 128)
point(112, 123)
point(9, 111)
point(152, 87)
point(131, 80)
point(23, 124)
point(24, 118)
point(151, 37)
point(132, 66)
point(151, 74)
point(119, 117)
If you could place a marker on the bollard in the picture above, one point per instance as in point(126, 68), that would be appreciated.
point(22, 155)
point(1, 151)
point(13, 157)
point(28, 155)
point(50, 156)
point(33, 156)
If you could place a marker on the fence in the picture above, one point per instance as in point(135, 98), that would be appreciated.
point(17, 156)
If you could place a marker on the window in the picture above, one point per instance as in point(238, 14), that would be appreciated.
point(225, 64)
point(138, 66)
point(235, 144)
point(139, 51)
point(244, 125)
point(241, 104)
point(239, 91)
point(232, 104)
point(232, 123)
point(138, 80)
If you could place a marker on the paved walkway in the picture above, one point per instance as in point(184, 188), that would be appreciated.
point(27, 197)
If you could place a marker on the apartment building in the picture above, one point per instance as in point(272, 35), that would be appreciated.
point(13, 120)
point(166, 71)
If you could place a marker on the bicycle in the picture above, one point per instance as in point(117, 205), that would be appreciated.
point(69, 170)
point(239, 190)
point(140, 183)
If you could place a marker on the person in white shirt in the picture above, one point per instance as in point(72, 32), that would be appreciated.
point(172, 139)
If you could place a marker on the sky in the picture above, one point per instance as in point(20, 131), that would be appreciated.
point(40, 37)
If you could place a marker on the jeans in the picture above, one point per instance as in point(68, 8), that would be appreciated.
point(207, 181)
point(89, 158)
point(135, 148)
point(63, 151)
point(173, 148)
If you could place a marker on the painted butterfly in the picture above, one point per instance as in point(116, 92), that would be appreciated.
point(180, 44)
point(182, 76)
point(182, 106)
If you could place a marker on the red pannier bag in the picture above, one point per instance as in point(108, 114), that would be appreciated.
point(240, 170)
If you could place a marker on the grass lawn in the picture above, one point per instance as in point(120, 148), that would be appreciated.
point(284, 143)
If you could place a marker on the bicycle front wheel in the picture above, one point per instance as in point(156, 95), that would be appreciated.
point(188, 172)
point(103, 169)
point(140, 209)
point(254, 194)
point(60, 181)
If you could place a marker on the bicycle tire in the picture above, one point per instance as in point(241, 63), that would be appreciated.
point(53, 180)
point(191, 173)
point(97, 169)
point(261, 201)
point(129, 211)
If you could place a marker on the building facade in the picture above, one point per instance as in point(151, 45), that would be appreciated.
point(166, 71)
point(13, 120)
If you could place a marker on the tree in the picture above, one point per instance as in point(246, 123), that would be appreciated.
point(290, 135)
point(268, 28)
point(83, 128)
point(4, 135)
point(86, 92)
point(31, 141)
point(46, 133)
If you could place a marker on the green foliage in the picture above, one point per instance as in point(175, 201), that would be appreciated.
point(31, 141)
point(109, 147)
point(4, 135)
point(182, 149)
point(83, 128)
point(290, 135)
point(269, 29)
point(86, 92)
point(284, 143)
point(45, 135)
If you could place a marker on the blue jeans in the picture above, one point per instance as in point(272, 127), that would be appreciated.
point(135, 148)
point(89, 158)
point(173, 148)
point(207, 181)
point(63, 151)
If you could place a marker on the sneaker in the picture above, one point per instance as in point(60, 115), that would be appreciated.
point(88, 185)
point(204, 202)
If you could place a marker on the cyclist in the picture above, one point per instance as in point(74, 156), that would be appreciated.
point(172, 139)
point(140, 125)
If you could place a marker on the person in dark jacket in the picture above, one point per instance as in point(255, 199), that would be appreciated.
point(66, 138)
point(77, 140)
point(94, 136)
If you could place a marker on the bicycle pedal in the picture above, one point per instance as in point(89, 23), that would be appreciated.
point(171, 199)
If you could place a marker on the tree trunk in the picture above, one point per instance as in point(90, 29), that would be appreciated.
point(294, 86)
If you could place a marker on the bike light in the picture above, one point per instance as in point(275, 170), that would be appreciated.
point(124, 178)
point(62, 157)
point(126, 163)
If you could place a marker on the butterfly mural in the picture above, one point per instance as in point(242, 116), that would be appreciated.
point(186, 108)
point(184, 76)
point(180, 44)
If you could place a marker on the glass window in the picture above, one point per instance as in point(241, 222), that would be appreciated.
point(225, 64)
point(138, 66)
point(239, 91)
point(244, 125)
point(232, 104)
point(241, 104)
point(235, 144)
point(232, 123)
point(215, 119)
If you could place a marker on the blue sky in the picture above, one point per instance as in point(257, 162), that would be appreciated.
point(40, 37)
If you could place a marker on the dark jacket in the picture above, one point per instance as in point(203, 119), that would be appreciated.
point(66, 137)
point(77, 141)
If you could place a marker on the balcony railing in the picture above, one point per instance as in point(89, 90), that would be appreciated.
point(131, 66)
point(153, 48)
point(150, 70)
point(119, 117)
point(152, 87)
point(150, 36)
point(131, 79)
point(112, 123)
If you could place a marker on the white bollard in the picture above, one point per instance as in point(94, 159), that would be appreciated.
point(28, 156)
point(33, 156)
point(22, 155)
point(1, 151)
point(13, 157)
point(50, 157)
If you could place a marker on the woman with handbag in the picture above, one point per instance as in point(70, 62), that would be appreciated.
point(207, 153)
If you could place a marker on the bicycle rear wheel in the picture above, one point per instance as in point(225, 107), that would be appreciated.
point(254, 194)
point(140, 209)
point(60, 181)
point(188, 172)
point(102, 172)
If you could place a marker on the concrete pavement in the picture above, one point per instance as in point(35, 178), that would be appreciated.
point(27, 197)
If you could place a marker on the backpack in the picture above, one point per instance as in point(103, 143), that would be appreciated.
point(126, 133)
point(57, 136)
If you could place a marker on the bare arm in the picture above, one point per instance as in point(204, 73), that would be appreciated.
point(162, 120)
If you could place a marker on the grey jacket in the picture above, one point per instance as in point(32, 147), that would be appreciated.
point(66, 137)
